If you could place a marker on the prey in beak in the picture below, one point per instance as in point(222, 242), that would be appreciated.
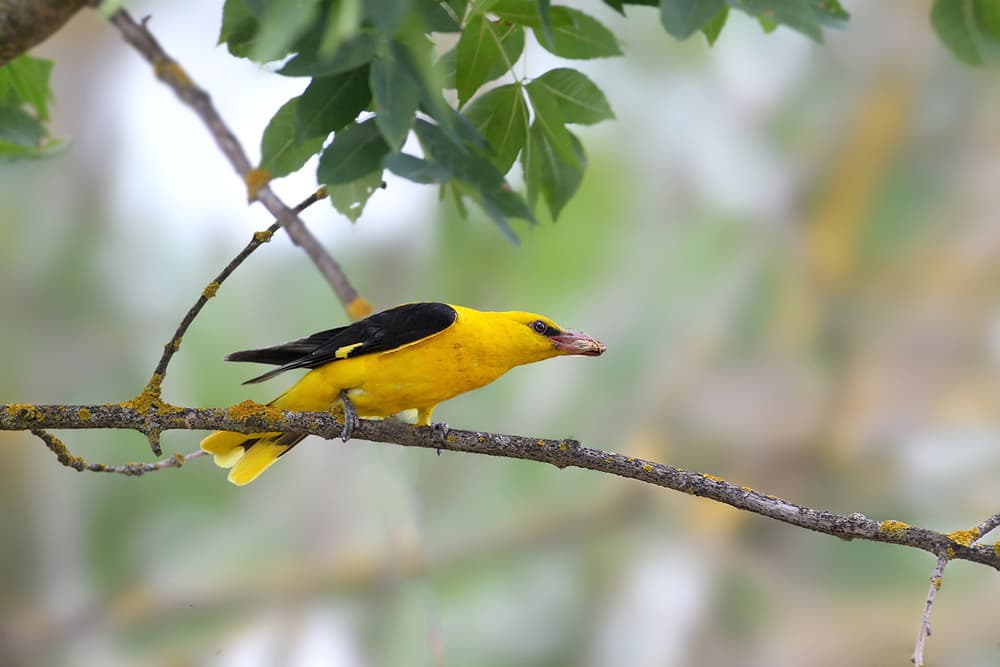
point(577, 342)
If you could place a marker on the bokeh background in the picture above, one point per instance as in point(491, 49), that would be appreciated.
point(791, 250)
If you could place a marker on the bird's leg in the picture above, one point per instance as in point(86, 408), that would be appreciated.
point(442, 429)
point(424, 419)
point(351, 420)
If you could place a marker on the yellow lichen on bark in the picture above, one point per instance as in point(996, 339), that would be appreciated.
point(964, 537)
point(83, 414)
point(24, 411)
point(359, 308)
point(169, 70)
point(149, 400)
point(255, 180)
point(894, 528)
point(247, 409)
point(210, 290)
point(712, 478)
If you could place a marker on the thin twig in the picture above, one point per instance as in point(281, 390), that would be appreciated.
point(925, 620)
point(257, 240)
point(176, 78)
point(249, 417)
point(57, 447)
point(987, 526)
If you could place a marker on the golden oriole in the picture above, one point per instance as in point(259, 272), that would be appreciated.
point(409, 357)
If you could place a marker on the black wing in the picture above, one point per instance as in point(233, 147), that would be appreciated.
point(380, 332)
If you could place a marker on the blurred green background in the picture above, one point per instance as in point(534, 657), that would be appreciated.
point(792, 252)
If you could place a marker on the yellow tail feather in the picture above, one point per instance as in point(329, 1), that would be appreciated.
point(247, 454)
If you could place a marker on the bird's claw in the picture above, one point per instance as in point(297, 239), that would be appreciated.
point(442, 431)
point(351, 420)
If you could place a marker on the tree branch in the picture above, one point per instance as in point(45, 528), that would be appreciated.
point(176, 78)
point(925, 619)
point(57, 447)
point(248, 417)
point(25, 23)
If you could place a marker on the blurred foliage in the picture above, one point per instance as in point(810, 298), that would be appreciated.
point(24, 108)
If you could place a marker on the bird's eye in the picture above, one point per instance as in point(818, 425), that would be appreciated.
point(539, 327)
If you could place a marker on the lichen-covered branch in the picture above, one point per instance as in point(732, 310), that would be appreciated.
point(177, 79)
point(248, 417)
point(25, 23)
point(70, 460)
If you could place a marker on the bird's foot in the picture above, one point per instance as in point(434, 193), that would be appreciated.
point(442, 431)
point(351, 420)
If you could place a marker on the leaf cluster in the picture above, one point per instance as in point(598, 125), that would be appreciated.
point(376, 78)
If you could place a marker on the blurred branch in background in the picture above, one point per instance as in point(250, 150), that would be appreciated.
point(355, 570)
point(173, 75)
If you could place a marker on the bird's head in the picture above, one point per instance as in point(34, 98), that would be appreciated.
point(537, 337)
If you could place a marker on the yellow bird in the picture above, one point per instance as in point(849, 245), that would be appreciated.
point(410, 357)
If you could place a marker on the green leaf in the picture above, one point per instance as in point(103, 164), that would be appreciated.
point(281, 153)
point(547, 173)
point(25, 80)
point(414, 56)
point(350, 198)
point(355, 152)
point(528, 13)
point(549, 120)
point(830, 13)
point(396, 95)
point(501, 116)
point(330, 103)
point(457, 7)
point(545, 14)
point(239, 28)
point(386, 15)
point(281, 24)
point(445, 68)
point(473, 175)
point(619, 5)
point(415, 169)
point(805, 16)
point(954, 24)
point(458, 159)
point(714, 27)
point(439, 16)
point(988, 18)
point(343, 21)
point(970, 29)
point(579, 99)
point(20, 128)
point(485, 51)
point(683, 18)
point(349, 54)
point(577, 35)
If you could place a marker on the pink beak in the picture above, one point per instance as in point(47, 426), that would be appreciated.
point(577, 342)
